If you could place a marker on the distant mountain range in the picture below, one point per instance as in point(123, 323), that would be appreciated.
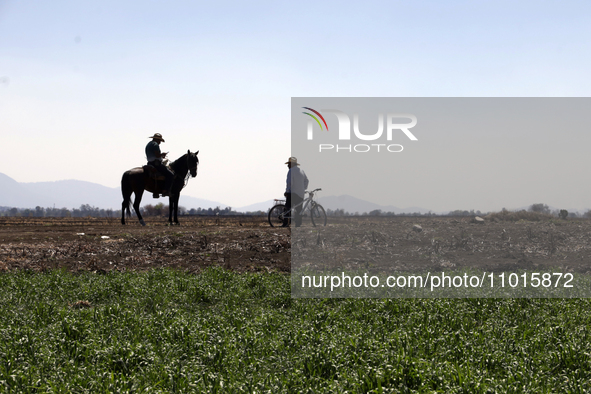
point(351, 204)
point(348, 203)
point(73, 193)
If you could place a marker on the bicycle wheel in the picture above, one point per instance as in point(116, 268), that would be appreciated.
point(276, 215)
point(318, 215)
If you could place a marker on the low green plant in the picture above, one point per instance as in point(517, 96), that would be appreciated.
point(221, 331)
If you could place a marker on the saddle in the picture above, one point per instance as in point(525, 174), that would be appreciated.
point(153, 173)
point(158, 179)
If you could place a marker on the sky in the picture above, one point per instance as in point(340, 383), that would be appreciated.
point(467, 153)
point(83, 84)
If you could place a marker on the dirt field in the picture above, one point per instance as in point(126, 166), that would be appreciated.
point(250, 244)
point(444, 243)
point(241, 244)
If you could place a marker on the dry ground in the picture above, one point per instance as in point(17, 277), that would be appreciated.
point(441, 243)
point(241, 244)
point(250, 244)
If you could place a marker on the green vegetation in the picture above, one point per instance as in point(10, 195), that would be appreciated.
point(219, 331)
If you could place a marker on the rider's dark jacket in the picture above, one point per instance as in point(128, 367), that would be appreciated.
point(153, 151)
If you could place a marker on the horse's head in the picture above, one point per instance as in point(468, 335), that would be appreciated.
point(192, 162)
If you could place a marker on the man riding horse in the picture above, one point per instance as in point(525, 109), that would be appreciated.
point(155, 156)
point(138, 179)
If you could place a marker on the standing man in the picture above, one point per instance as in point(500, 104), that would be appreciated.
point(155, 157)
point(297, 183)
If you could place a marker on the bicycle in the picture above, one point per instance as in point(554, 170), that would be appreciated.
point(277, 214)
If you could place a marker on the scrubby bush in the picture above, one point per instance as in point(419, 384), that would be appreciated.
point(540, 208)
point(514, 216)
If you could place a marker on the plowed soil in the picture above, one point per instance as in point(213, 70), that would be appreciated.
point(390, 244)
point(101, 245)
point(250, 244)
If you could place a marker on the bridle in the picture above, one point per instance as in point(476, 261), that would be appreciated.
point(188, 176)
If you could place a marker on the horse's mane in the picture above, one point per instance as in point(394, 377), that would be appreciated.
point(174, 164)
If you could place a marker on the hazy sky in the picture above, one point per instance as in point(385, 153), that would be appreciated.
point(469, 153)
point(84, 83)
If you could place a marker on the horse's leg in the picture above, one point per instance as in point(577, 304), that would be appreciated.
point(123, 206)
point(170, 209)
point(126, 191)
point(176, 207)
point(136, 205)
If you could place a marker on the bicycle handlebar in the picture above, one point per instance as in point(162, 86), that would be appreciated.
point(314, 191)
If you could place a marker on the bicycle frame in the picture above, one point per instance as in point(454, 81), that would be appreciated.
point(308, 201)
point(278, 215)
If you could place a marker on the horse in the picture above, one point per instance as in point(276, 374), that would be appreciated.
point(139, 179)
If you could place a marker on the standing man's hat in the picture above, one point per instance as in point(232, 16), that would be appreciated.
point(157, 136)
point(292, 160)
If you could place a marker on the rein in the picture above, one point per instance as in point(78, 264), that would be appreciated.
point(188, 176)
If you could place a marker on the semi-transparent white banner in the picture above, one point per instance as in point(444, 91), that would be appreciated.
point(441, 197)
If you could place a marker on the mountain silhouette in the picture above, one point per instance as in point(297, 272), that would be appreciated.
point(352, 205)
point(348, 203)
point(73, 193)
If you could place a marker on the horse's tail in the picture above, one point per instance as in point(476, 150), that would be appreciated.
point(126, 191)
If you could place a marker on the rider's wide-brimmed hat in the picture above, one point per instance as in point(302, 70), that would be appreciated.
point(292, 160)
point(157, 136)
